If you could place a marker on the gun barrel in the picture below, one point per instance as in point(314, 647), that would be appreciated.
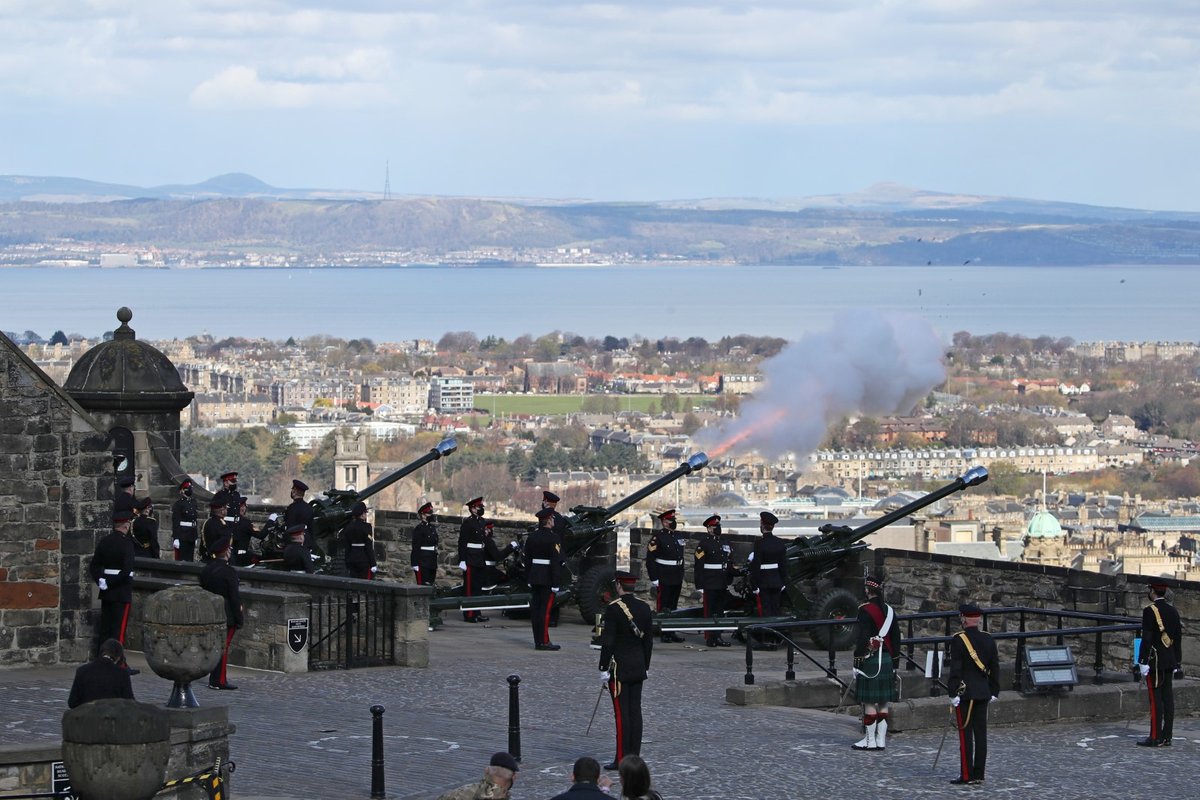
point(444, 448)
point(697, 461)
point(972, 477)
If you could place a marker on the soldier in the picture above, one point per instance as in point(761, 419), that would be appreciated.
point(228, 491)
point(543, 565)
point(300, 512)
point(220, 578)
point(123, 499)
point(1159, 656)
point(471, 555)
point(768, 569)
point(214, 527)
point(145, 529)
point(360, 545)
point(877, 645)
point(183, 523)
point(104, 678)
point(296, 556)
point(425, 547)
point(561, 526)
point(497, 781)
point(626, 642)
point(242, 532)
point(112, 570)
point(974, 681)
point(664, 563)
point(712, 575)
point(493, 554)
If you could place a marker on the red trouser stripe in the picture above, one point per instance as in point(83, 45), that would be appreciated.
point(546, 621)
point(658, 599)
point(1154, 712)
point(177, 556)
point(758, 602)
point(225, 654)
point(962, 745)
point(619, 724)
point(124, 624)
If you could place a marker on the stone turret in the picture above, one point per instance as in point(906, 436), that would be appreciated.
point(135, 391)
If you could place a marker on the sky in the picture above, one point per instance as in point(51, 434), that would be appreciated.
point(1088, 101)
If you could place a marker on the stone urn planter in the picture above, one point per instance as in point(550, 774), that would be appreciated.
point(116, 749)
point(183, 636)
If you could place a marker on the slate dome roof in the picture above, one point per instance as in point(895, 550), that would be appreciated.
point(126, 375)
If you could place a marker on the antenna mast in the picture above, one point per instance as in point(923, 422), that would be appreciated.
point(387, 180)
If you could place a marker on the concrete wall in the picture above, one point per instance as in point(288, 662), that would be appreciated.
point(55, 496)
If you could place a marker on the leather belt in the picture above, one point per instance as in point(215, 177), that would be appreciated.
point(714, 566)
point(489, 563)
point(474, 546)
point(187, 524)
point(231, 519)
point(241, 552)
point(768, 566)
point(358, 544)
point(428, 547)
point(112, 572)
point(666, 563)
point(542, 561)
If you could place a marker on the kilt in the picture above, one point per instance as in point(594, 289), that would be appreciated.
point(882, 687)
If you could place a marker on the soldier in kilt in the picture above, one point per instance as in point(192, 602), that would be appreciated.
point(875, 676)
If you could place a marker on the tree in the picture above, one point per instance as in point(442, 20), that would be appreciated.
point(670, 402)
point(59, 337)
point(690, 423)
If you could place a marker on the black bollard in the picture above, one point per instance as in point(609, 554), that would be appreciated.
point(377, 752)
point(514, 717)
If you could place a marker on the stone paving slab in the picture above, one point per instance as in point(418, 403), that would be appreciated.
point(309, 735)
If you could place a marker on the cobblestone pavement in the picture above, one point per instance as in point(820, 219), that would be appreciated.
point(309, 735)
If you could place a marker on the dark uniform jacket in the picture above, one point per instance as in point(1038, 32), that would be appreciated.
point(543, 558)
point(966, 679)
point(561, 527)
point(620, 641)
point(145, 537)
point(213, 531)
point(124, 501)
point(1154, 651)
point(183, 520)
point(298, 558)
point(300, 513)
point(113, 561)
point(425, 547)
point(99, 680)
point(360, 550)
point(712, 563)
point(768, 567)
point(470, 542)
point(243, 532)
point(220, 578)
point(664, 557)
point(871, 617)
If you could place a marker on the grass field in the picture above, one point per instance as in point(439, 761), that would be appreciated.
point(501, 404)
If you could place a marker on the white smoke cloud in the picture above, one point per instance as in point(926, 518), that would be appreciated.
point(869, 363)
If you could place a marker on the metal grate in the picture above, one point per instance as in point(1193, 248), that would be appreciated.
point(351, 630)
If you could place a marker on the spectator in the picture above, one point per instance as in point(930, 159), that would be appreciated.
point(586, 782)
point(103, 678)
point(497, 781)
point(635, 780)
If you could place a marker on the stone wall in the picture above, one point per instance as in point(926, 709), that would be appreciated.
point(55, 495)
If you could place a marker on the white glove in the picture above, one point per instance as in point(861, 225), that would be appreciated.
point(416, 569)
point(1145, 669)
point(554, 589)
point(954, 701)
point(175, 544)
point(374, 569)
point(513, 544)
point(654, 584)
point(756, 591)
point(701, 591)
point(993, 698)
point(103, 585)
point(604, 676)
point(858, 671)
point(462, 565)
point(272, 517)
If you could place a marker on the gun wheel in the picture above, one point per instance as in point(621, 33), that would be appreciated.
point(836, 604)
point(595, 592)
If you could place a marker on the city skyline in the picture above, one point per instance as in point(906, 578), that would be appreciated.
point(1068, 100)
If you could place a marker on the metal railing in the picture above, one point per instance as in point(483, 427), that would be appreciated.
point(352, 629)
point(1105, 624)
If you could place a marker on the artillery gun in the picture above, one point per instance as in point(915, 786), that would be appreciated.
point(333, 512)
point(589, 548)
point(811, 561)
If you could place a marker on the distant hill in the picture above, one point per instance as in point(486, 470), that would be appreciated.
point(884, 224)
